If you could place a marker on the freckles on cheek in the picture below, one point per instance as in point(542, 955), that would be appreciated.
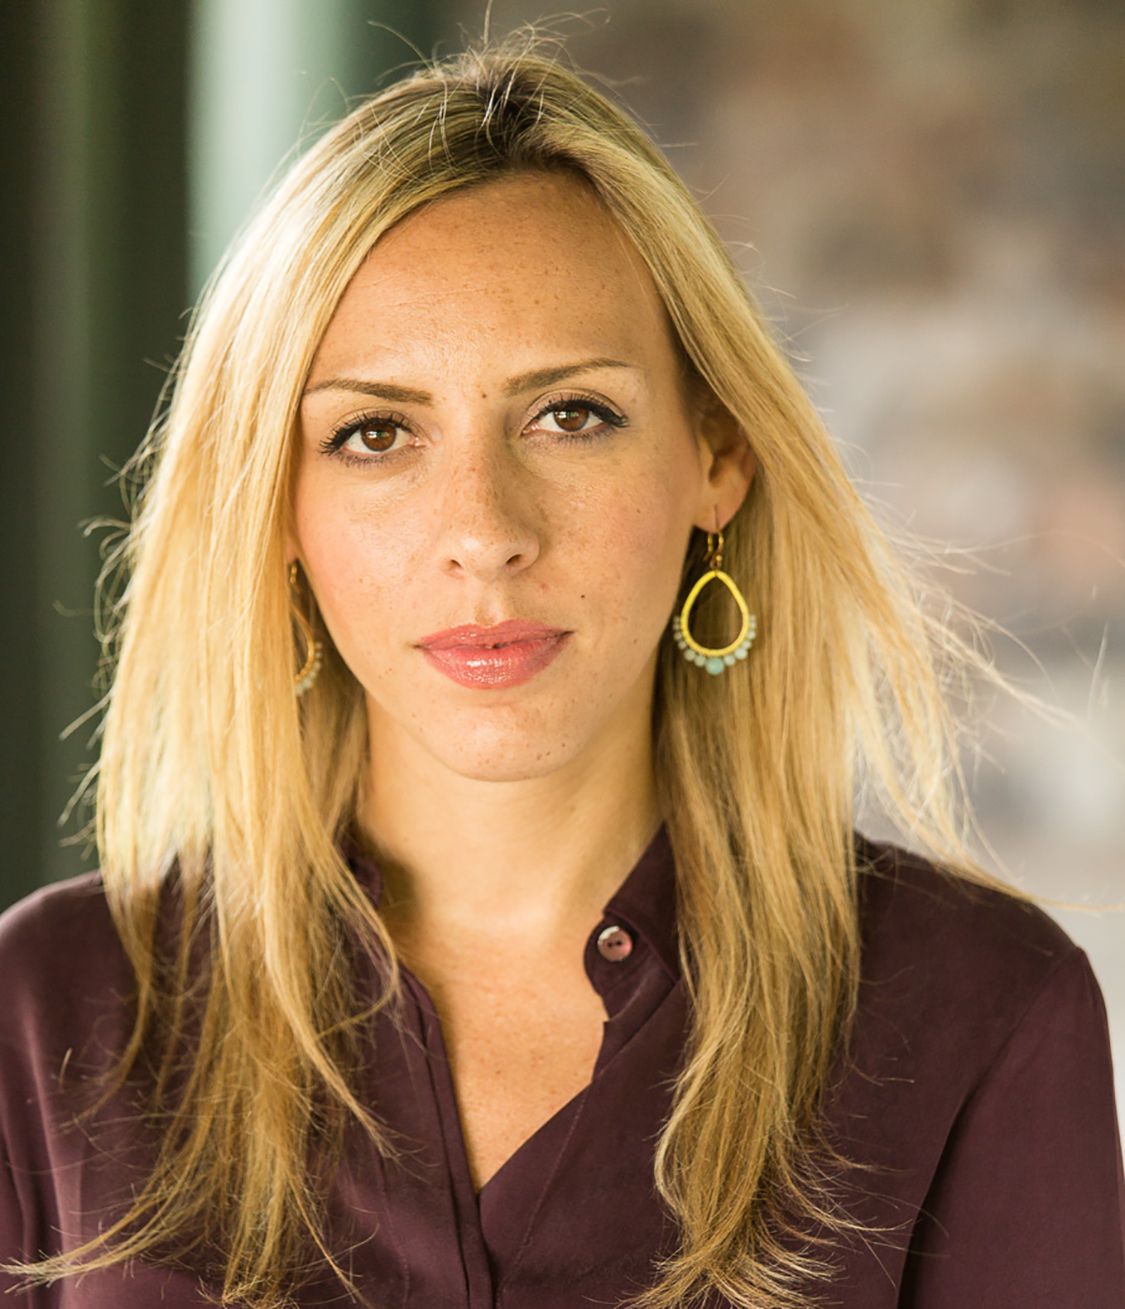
point(349, 561)
point(650, 520)
point(639, 556)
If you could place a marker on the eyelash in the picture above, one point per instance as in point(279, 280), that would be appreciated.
point(332, 445)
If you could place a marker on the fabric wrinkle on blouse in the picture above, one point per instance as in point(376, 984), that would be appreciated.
point(979, 1086)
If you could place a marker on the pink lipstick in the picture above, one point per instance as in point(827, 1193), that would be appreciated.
point(504, 655)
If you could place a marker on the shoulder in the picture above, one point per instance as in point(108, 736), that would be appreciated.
point(66, 902)
point(60, 960)
point(906, 897)
point(56, 928)
point(953, 964)
point(981, 1083)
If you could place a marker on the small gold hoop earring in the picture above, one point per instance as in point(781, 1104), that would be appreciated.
point(715, 659)
point(314, 649)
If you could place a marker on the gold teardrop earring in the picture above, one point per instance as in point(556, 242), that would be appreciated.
point(715, 660)
point(314, 649)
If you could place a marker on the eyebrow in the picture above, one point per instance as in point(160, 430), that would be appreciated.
point(537, 377)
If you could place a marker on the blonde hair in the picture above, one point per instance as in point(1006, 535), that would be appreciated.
point(215, 780)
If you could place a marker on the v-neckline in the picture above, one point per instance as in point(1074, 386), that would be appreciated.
point(442, 1070)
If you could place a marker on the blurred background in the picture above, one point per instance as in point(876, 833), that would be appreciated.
point(926, 196)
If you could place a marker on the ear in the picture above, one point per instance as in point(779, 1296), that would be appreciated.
point(728, 464)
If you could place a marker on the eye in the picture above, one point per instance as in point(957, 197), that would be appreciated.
point(572, 415)
point(374, 436)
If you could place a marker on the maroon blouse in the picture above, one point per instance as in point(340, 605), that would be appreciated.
point(979, 1086)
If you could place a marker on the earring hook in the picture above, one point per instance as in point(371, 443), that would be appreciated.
point(715, 554)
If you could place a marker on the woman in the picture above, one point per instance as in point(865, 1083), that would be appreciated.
point(481, 918)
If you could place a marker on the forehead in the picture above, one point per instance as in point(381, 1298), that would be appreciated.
point(530, 254)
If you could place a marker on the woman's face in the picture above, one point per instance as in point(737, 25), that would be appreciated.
point(459, 491)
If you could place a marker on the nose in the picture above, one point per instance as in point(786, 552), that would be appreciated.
point(486, 524)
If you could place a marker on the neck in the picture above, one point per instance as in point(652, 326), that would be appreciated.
point(464, 857)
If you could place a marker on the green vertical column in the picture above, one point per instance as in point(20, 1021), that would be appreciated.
point(106, 281)
point(22, 747)
point(268, 74)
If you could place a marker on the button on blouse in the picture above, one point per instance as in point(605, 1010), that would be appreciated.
point(614, 943)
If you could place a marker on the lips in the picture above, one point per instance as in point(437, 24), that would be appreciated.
point(509, 632)
point(482, 666)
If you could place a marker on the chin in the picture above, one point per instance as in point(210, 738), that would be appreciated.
point(493, 754)
point(507, 771)
point(512, 737)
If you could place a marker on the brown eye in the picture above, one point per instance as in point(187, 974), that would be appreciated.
point(569, 418)
point(572, 418)
point(376, 437)
point(374, 433)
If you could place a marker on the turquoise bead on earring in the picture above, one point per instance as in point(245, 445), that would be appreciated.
point(715, 659)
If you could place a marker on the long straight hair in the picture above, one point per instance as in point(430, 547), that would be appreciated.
point(215, 780)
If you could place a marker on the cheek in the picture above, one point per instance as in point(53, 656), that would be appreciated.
point(351, 559)
point(642, 548)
